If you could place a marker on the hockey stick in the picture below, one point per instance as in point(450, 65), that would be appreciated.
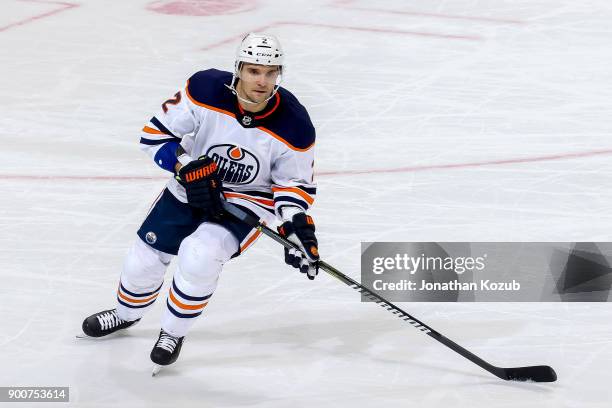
point(540, 373)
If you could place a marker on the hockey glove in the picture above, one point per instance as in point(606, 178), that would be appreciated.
point(202, 185)
point(301, 231)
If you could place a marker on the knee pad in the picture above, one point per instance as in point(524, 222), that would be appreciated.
point(203, 253)
point(144, 267)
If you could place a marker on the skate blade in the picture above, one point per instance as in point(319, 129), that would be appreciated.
point(118, 333)
point(156, 369)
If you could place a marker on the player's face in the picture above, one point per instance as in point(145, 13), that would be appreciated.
point(257, 81)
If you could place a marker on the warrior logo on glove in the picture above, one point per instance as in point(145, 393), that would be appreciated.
point(202, 186)
point(201, 172)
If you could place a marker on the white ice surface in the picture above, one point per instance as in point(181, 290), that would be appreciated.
point(487, 121)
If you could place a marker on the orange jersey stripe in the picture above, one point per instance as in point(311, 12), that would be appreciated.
point(205, 105)
point(131, 300)
point(280, 139)
point(250, 241)
point(184, 306)
point(152, 131)
point(297, 191)
point(249, 198)
point(268, 131)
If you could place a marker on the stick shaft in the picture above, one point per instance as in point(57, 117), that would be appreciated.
point(497, 371)
point(386, 304)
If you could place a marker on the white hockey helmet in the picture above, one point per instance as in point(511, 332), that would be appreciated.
point(261, 49)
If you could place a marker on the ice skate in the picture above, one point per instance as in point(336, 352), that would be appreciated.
point(104, 323)
point(166, 351)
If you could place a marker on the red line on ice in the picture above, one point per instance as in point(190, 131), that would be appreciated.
point(412, 169)
point(443, 16)
point(346, 5)
point(66, 6)
point(386, 30)
point(76, 178)
point(408, 169)
point(234, 38)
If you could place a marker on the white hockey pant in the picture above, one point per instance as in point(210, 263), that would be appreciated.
point(200, 260)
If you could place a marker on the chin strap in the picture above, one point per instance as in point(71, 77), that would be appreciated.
point(232, 88)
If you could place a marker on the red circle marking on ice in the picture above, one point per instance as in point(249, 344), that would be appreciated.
point(201, 7)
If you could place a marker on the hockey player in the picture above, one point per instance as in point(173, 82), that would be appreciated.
point(237, 137)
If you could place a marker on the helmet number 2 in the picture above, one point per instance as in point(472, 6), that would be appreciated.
point(173, 101)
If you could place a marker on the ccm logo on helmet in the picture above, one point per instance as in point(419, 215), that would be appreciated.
point(236, 165)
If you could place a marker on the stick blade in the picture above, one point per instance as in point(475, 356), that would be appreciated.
point(534, 373)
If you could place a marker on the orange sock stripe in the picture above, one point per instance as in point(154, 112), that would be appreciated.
point(184, 306)
point(132, 300)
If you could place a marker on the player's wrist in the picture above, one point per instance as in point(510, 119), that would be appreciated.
point(182, 158)
point(288, 211)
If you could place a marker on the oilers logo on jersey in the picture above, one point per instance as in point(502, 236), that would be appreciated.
point(236, 165)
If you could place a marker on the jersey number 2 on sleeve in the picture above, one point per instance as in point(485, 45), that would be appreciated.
point(173, 101)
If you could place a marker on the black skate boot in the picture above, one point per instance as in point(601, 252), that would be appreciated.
point(166, 349)
point(104, 323)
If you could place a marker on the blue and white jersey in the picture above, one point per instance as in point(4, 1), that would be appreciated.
point(265, 159)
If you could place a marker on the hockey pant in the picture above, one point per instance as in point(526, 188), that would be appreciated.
point(201, 256)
